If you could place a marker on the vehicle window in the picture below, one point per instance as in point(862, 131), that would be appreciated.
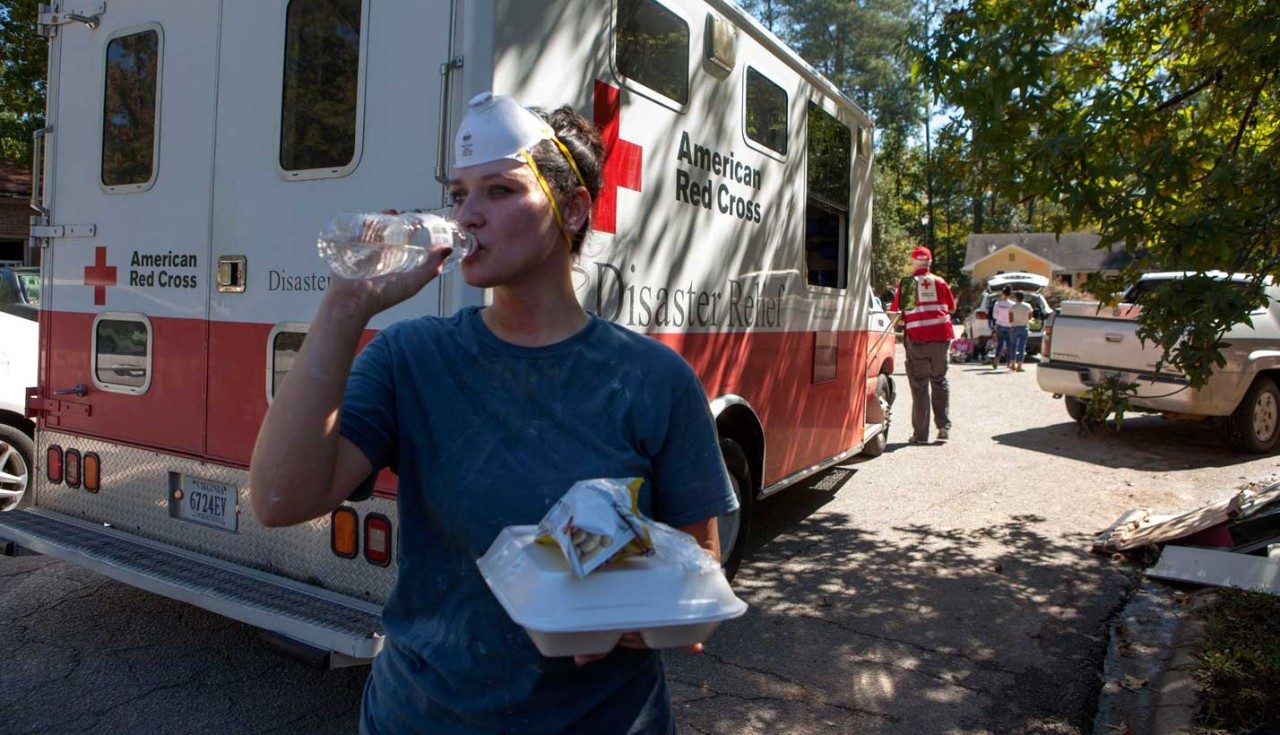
point(766, 118)
point(30, 285)
point(284, 350)
point(122, 353)
point(129, 109)
point(319, 110)
point(652, 46)
point(826, 238)
point(1145, 287)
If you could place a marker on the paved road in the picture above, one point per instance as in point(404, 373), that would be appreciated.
point(936, 589)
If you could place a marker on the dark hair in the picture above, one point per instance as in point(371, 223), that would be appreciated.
point(581, 137)
point(1019, 295)
point(1006, 290)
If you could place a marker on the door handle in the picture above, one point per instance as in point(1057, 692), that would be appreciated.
point(78, 389)
point(1115, 337)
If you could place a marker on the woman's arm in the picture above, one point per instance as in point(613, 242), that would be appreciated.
point(707, 534)
point(301, 468)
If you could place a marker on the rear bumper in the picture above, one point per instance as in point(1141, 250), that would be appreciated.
point(324, 620)
point(1160, 393)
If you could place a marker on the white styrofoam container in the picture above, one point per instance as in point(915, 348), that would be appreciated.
point(669, 605)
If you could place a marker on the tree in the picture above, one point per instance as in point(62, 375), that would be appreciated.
point(23, 55)
point(1157, 120)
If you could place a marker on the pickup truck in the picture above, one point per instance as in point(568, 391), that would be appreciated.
point(1086, 341)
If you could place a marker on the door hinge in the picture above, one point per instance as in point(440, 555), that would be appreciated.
point(38, 405)
point(52, 16)
point(63, 231)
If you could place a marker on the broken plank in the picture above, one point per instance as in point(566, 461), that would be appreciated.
point(1133, 535)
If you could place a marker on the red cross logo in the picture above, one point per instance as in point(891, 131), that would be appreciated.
point(100, 275)
point(623, 160)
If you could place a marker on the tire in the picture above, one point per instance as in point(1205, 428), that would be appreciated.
point(735, 528)
point(16, 467)
point(880, 442)
point(1075, 407)
point(1254, 426)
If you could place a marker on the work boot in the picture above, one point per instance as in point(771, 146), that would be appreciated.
point(944, 434)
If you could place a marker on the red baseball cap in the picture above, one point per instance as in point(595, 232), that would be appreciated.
point(921, 252)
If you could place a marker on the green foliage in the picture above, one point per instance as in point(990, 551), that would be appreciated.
point(1157, 121)
point(1057, 292)
point(1109, 397)
point(1201, 306)
point(1239, 669)
point(23, 54)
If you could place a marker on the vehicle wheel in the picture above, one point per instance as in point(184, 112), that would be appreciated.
point(735, 527)
point(16, 451)
point(1255, 424)
point(878, 443)
point(1075, 407)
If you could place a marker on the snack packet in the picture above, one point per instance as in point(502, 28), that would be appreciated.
point(595, 521)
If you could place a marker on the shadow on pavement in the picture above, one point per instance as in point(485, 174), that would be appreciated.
point(1142, 443)
point(889, 630)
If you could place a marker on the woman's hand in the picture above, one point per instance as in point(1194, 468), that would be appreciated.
point(369, 296)
point(628, 640)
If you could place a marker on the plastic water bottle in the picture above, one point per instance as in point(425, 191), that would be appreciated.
point(367, 245)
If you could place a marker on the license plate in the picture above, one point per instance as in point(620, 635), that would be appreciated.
point(203, 501)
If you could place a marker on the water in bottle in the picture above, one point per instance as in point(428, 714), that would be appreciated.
point(368, 245)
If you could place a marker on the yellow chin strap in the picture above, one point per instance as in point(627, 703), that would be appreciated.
point(546, 187)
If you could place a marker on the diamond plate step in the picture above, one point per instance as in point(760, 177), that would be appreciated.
point(324, 620)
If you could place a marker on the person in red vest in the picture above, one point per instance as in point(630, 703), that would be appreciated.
point(925, 302)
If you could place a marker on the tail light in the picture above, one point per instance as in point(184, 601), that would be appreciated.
point(343, 525)
point(980, 314)
point(1045, 340)
point(71, 467)
point(377, 539)
point(53, 464)
point(92, 471)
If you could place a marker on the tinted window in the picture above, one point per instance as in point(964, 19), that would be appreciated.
point(129, 109)
point(120, 357)
point(321, 83)
point(766, 112)
point(284, 350)
point(653, 48)
point(29, 284)
point(827, 207)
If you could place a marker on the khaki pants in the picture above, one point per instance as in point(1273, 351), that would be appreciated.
point(926, 367)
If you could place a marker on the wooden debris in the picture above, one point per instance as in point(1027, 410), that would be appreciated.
point(1138, 527)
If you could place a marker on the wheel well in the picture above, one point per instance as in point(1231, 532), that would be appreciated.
point(739, 423)
point(19, 421)
point(1274, 374)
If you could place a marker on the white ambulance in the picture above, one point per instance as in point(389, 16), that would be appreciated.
point(194, 149)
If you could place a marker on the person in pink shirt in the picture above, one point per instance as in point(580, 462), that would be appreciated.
point(926, 303)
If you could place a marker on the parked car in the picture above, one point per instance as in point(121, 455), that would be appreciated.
point(975, 324)
point(1088, 341)
point(19, 347)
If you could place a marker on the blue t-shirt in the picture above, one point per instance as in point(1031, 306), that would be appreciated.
point(485, 434)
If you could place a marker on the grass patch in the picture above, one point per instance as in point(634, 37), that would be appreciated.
point(1239, 671)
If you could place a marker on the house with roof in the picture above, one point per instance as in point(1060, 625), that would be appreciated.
point(15, 214)
point(1070, 258)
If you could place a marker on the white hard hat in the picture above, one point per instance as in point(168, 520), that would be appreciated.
point(497, 127)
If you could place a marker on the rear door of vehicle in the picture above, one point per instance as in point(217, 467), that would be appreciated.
point(131, 152)
point(324, 106)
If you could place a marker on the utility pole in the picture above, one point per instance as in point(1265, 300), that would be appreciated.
point(928, 138)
